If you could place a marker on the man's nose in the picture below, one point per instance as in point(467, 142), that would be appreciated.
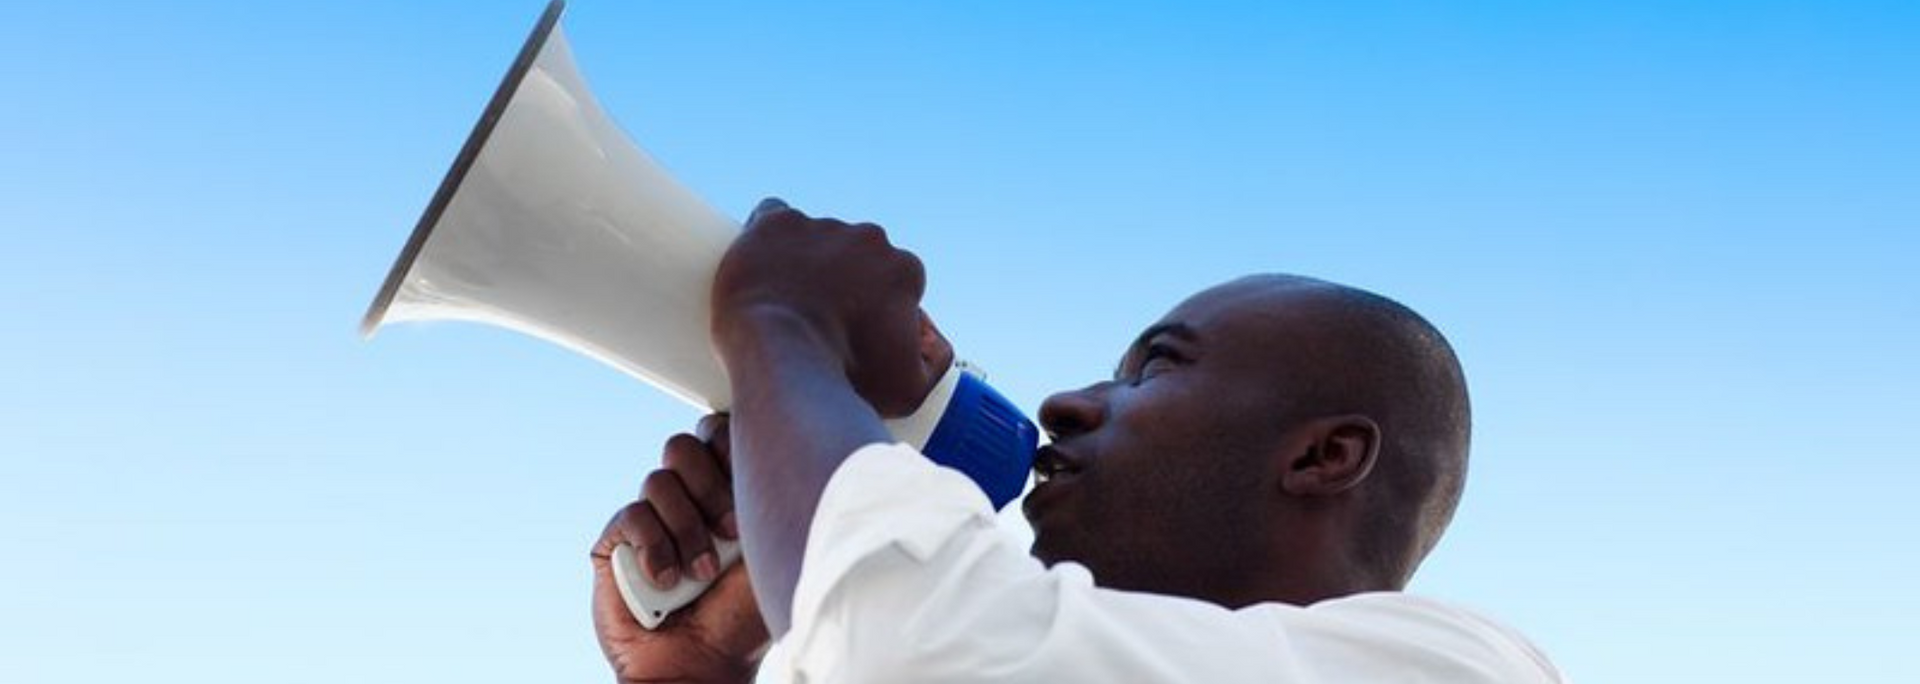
point(1071, 413)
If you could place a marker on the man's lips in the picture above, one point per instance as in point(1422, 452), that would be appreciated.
point(1052, 469)
point(1050, 463)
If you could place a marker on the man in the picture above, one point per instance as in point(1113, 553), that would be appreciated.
point(1243, 501)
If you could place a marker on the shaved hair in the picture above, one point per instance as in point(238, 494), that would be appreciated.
point(1373, 356)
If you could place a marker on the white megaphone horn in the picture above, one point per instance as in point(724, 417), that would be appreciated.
point(553, 223)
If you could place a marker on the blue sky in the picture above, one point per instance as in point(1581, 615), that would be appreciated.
point(1672, 241)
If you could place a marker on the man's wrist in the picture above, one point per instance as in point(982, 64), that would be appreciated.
point(757, 333)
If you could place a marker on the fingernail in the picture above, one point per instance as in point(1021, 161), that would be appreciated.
point(706, 567)
point(730, 526)
point(665, 579)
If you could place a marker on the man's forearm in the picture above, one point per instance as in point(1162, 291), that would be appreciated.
point(795, 418)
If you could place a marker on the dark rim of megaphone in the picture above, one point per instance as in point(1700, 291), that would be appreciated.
point(469, 152)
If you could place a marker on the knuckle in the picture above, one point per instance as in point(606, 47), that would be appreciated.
point(660, 484)
point(681, 518)
point(624, 520)
point(651, 537)
point(784, 218)
point(643, 527)
point(615, 532)
point(680, 449)
point(911, 268)
point(702, 476)
point(683, 451)
point(870, 233)
point(711, 427)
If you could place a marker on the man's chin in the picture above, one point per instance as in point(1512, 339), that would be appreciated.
point(1048, 551)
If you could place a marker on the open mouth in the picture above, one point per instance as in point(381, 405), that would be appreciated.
point(1050, 463)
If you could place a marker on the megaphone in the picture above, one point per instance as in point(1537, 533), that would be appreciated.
point(552, 222)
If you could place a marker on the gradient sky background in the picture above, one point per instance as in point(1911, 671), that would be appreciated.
point(1674, 243)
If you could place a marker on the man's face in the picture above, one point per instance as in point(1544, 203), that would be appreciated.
point(1158, 479)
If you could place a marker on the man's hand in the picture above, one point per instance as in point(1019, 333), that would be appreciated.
point(851, 290)
point(720, 636)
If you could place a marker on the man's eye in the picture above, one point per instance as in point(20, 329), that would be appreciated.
point(1156, 358)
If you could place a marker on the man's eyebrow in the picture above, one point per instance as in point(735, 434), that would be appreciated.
point(1175, 329)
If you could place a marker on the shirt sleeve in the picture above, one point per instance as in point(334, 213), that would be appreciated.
point(906, 579)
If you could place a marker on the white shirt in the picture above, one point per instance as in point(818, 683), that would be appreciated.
point(906, 579)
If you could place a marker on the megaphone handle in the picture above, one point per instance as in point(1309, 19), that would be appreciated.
point(650, 604)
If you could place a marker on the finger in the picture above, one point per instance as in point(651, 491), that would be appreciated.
point(638, 525)
point(691, 535)
point(716, 429)
point(936, 352)
point(913, 274)
point(909, 272)
point(613, 622)
point(699, 469)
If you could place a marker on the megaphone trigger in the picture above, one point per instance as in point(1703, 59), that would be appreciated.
point(651, 605)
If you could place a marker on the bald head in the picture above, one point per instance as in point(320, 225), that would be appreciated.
point(1274, 438)
point(1341, 350)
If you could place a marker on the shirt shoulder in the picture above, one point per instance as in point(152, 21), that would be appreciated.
point(1426, 634)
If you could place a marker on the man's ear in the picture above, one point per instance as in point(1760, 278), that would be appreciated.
point(1337, 453)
